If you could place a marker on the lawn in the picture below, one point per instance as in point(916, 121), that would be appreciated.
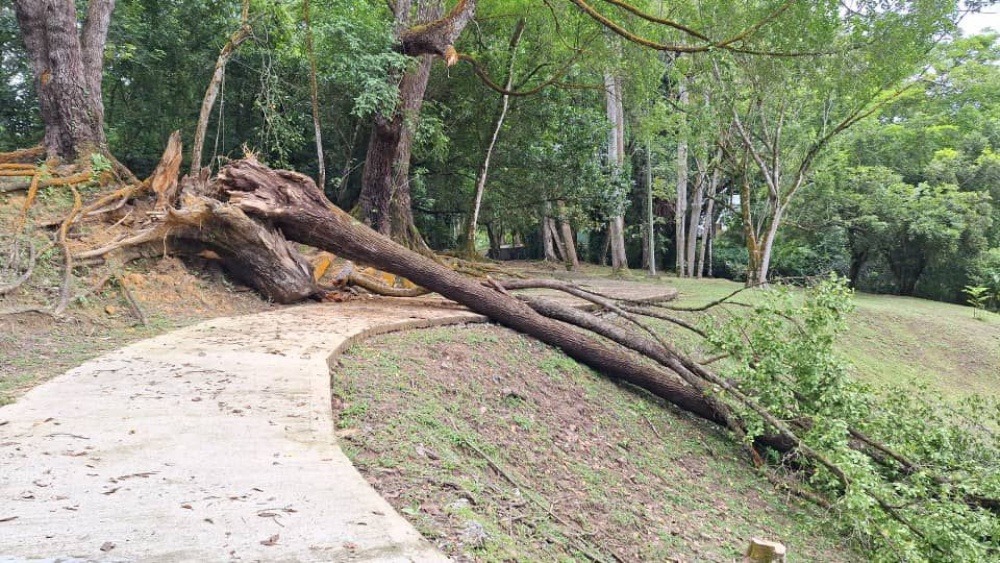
point(901, 340)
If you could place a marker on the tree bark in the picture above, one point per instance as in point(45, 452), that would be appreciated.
point(556, 239)
point(569, 241)
point(93, 39)
point(385, 187)
point(293, 204)
point(616, 162)
point(681, 215)
point(212, 92)
point(67, 72)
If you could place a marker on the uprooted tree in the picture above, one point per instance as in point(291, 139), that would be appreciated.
point(926, 490)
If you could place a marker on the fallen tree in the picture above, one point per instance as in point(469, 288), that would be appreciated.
point(248, 215)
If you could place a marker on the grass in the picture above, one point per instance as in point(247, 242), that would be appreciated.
point(894, 340)
point(651, 484)
point(551, 460)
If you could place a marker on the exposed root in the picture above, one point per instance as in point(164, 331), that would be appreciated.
point(22, 155)
point(12, 167)
point(64, 292)
point(29, 269)
point(22, 219)
point(114, 200)
point(78, 178)
point(158, 232)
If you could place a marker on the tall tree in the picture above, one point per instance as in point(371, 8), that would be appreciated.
point(385, 191)
point(616, 164)
point(787, 110)
point(67, 65)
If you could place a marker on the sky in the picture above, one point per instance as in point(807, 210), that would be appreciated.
point(974, 23)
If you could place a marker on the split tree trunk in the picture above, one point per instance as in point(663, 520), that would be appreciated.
point(67, 66)
point(385, 203)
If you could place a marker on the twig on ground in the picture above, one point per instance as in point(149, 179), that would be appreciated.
point(132, 303)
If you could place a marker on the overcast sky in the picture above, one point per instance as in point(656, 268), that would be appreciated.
point(974, 23)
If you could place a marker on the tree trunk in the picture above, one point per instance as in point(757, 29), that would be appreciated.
point(314, 95)
point(709, 232)
point(697, 201)
point(569, 241)
point(212, 92)
point(650, 246)
point(484, 169)
point(767, 243)
point(67, 65)
point(495, 234)
point(557, 239)
point(293, 204)
point(385, 187)
point(749, 234)
point(680, 221)
point(616, 162)
point(549, 237)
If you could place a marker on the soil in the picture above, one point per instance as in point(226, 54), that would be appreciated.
point(499, 448)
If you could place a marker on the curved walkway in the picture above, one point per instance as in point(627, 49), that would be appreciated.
point(212, 443)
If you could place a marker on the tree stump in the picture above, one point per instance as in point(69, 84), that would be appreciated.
point(764, 551)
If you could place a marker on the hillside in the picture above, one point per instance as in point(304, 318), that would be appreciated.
point(499, 448)
point(903, 340)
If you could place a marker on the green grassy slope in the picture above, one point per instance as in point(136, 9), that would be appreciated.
point(499, 448)
point(899, 340)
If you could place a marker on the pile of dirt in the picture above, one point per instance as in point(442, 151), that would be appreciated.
point(499, 448)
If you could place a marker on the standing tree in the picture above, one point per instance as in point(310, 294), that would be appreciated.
point(67, 65)
point(787, 110)
point(385, 191)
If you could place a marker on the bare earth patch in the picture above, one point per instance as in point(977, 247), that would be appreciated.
point(499, 448)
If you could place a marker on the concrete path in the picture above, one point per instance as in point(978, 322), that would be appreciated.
point(212, 443)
